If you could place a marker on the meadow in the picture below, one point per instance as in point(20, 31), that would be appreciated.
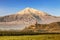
point(32, 37)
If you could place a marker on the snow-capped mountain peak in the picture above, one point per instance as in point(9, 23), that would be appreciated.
point(32, 10)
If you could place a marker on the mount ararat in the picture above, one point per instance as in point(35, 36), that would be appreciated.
point(28, 17)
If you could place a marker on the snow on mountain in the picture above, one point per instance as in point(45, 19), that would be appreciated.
point(26, 17)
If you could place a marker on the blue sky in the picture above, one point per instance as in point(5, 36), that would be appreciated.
point(8, 7)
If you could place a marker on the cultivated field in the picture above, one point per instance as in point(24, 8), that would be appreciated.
point(32, 37)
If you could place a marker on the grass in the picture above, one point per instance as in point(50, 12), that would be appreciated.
point(32, 37)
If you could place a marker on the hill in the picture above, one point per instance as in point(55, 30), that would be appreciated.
point(41, 21)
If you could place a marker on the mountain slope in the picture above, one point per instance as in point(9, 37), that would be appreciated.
point(26, 17)
point(44, 28)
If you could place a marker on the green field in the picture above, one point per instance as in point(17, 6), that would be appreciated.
point(32, 37)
